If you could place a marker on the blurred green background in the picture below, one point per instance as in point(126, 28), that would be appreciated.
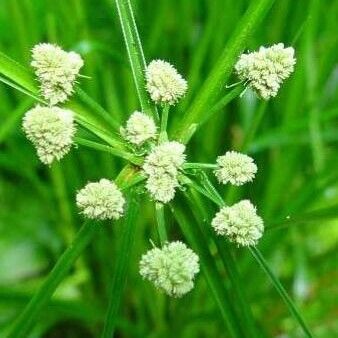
point(295, 147)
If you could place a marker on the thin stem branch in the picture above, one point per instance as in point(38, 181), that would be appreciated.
point(164, 122)
point(160, 218)
point(190, 165)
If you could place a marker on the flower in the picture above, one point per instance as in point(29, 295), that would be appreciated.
point(235, 168)
point(171, 269)
point(162, 167)
point(139, 128)
point(101, 200)
point(164, 83)
point(162, 187)
point(265, 70)
point(51, 130)
point(240, 223)
point(56, 70)
point(167, 157)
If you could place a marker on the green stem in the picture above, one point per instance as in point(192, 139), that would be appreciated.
point(135, 53)
point(164, 122)
point(279, 287)
point(41, 298)
point(161, 228)
point(121, 268)
point(199, 166)
point(113, 151)
point(224, 65)
point(254, 124)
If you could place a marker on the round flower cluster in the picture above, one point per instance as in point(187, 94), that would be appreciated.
point(171, 269)
point(51, 130)
point(265, 70)
point(164, 84)
point(235, 168)
point(56, 70)
point(240, 223)
point(139, 128)
point(162, 167)
point(101, 200)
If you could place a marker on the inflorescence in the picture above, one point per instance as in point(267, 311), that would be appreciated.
point(171, 268)
point(264, 71)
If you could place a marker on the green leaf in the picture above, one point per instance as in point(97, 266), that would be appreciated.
point(135, 53)
point(30, 314)
point(223, 68)
point(279, 287)
point(208, 267)
point(121, 267)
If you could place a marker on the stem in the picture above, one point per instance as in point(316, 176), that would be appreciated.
point(162, 232)
point(102, 147)
point(199, 166)
point(121, 268)
point(279, 287)
point(224, 65)
point(47, 289)
point(135, 53)
point(258, 116)
point(164, 122)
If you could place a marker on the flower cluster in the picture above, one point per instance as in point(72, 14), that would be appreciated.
point(240, 223)
point(51, 130)
point(164, 84)
point(56, 70)
point(171, 268)
point(162, 167)
point(235, 168)
point(101, 200)
point(266, 69)
point(139, 128)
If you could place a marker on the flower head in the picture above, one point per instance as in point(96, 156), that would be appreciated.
point(139, 128)
point(162, 167)
point(101, 200)
point(167, 157)
point(56, 70)
point(51, 130)
point(171, 269)
point(265, 70)
point(164, 83)
point(235, 168)
point(240, 223)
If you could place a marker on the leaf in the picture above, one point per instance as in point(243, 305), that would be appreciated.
point(121, 267)
point(279, 287)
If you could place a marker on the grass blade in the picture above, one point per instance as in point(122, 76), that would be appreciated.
point(121, 268)
point(279, 287)
point(224, 66)
point(135, 53)
point(208, 267)
point(41, 298)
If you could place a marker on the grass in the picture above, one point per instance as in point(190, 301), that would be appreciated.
point(292, 138)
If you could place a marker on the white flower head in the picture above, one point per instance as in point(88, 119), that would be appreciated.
point(162, 187)
point(164, 84)
point(172, 269)
point(101, 200)
point(167, 157)
point(56, 70)
point(239, 223)
point(235, 168)
point(139, 128)
point(162, 167)
point(266, 69)
point(51, 130)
